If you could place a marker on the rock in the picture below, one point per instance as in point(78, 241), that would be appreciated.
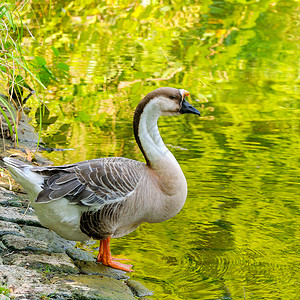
point(55, 243)
point(27, 137)
point(78, 254)
point(94, 268)
point(31, 284)
point(87, 264)
point(9, 198)
point(16, 215)
point(2, 247)
point(19, 243)
point(28, 284)
point(46, 262)
point(10, 228)
point(138, 289)
point(97, 287)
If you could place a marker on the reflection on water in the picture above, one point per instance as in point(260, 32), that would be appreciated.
point(237, 237)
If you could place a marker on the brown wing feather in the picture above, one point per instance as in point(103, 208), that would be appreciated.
point(94, 182)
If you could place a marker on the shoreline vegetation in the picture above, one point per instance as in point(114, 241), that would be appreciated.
point(23, 74)
point(18, 72)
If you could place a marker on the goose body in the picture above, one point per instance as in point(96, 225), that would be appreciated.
point(110, 197)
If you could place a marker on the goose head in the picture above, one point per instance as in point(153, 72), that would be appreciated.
point(163, 101)
point(168, 101)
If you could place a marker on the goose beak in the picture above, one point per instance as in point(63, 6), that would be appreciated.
point(187, 108)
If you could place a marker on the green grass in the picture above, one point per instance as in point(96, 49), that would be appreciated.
point(22, 73)
point(4, 291)
point(16, 73)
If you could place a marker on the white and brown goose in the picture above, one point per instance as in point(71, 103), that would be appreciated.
point(110, 197)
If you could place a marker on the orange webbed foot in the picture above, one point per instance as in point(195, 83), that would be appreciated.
point(117, 265)
point(105, 257)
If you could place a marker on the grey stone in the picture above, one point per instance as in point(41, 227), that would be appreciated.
point(19, 243)
point(46, 262)
point(9, 198)
point(10, 228)
point(138, 289)
point(97, 287)
point(55, 243)
point(2, 247)
point(28, 284)
point(27, 137)
point(31, 284)
point(59, 295)
point(94, 268)
point(78, 254)
point(16, 215)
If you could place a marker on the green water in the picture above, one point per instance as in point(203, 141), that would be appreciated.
point(237, 236)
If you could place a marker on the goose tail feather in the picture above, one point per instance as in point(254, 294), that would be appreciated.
point(14, 163)
point(21, 172)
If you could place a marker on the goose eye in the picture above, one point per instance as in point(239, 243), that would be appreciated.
point(172, 97)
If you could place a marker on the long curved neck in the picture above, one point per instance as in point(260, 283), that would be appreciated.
point(148, 137)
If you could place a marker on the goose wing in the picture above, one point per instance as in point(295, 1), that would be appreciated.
point(90, 183)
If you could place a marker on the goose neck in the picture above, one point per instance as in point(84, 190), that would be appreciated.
point(148, 137)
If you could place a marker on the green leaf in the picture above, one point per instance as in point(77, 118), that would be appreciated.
point(6, 104)
point(25, 68)
point(46, 74)
point(41, 61)
point(2, 11)
point(55, 51)
point(7, 45)
point(63, 66)
point(10, 20)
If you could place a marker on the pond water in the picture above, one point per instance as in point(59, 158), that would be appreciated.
point(237, 236)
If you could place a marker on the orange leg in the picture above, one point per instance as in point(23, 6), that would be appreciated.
point(100, 254)
point(105, 257)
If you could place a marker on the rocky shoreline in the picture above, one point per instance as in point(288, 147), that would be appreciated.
point(35, 263)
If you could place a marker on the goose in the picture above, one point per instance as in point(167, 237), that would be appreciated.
point(110, 197)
